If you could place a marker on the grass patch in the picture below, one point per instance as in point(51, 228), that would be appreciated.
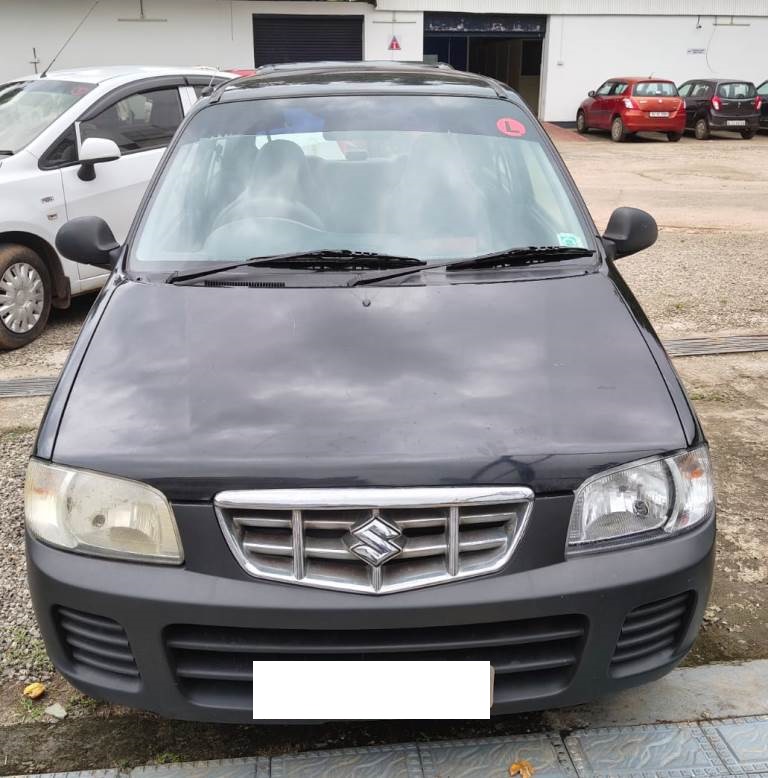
point(31, 710)
point(708, 395)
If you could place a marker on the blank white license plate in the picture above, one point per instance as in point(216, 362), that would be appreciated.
point(371, 689)
point(736, 122)
point(659, 114)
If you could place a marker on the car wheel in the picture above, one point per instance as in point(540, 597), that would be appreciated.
point(25, 296)
point(618, 133)
point(701, 129)
point(674, 137)
point(748, 134)
point(581, 123)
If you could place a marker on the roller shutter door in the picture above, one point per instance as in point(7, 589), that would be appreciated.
point(293, 38)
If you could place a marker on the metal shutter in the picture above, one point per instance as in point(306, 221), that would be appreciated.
point(292, 38)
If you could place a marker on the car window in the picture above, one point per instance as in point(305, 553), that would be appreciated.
point(619, 88)
point(736, 90)
point(62, 152)
point(605, 88)
point(29, 107)
point(763, 89)
point(145, 120)
point(431, 177)
point(655, 89)
point(684, 89)
point(702, 90)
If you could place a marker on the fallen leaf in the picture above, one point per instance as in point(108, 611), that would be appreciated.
point(34, 691)
point(523, 768)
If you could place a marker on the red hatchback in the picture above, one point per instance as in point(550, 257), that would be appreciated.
point(628, 105)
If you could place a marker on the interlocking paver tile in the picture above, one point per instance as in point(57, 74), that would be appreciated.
point(741, 743)
point(652, 751)
point(491, 757)
point(374, 762)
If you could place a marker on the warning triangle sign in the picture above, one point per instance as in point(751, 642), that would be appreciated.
point(394, 44)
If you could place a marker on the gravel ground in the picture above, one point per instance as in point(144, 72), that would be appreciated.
point(22, 651)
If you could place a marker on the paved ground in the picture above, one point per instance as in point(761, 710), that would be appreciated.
point(705, 276)
point(695, 722)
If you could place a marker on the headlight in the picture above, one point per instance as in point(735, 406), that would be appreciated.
point(99, 514)
point(661, 495)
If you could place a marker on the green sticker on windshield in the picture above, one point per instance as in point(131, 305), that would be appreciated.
point(569, 239)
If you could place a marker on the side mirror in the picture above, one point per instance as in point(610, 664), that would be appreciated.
point(89, 241)
point(591, 93)
point(629, 230)
point(93, 151)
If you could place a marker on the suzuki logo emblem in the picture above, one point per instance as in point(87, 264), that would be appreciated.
point(375, 540)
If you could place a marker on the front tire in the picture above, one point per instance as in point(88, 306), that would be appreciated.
point(748, 134)
point(25, 296)
point(701, 129)
point(674, 137)
point(618, 131)
point(581, 123)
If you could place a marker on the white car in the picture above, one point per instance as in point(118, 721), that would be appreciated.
point(53, 132)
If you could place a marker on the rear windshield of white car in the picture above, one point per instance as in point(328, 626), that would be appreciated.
point(425, 176)
point(736, 90)
point(28, 107)
point(655, 89)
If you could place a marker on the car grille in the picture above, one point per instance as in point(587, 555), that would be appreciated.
point(406, 538)
point(96, 642)
point(532, 658)
point(651, 635)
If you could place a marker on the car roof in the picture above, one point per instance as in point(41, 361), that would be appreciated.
point(635, 79)
point(98, 75)
point(308, 78)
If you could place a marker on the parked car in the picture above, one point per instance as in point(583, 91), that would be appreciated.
point(52, 131)
point(365, 405)
point(629, 105)
point(762, 92)
point(721, 104)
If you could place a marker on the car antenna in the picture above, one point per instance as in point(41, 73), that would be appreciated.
point(74, 32)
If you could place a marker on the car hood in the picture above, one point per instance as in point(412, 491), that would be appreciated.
point(538, 382)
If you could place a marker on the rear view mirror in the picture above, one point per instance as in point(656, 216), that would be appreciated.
point(629, 230)
point(89, 241)
point(591, 93)
point(94, 151)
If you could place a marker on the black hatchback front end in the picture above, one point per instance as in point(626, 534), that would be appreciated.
point(337, 459)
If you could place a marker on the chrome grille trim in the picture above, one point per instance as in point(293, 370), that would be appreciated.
point(295, 535)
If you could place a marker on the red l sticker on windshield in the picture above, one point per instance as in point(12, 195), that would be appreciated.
point(510, 127)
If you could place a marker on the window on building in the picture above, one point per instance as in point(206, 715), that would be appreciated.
point(145, 120)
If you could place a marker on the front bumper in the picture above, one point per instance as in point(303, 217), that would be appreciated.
point(181, 639)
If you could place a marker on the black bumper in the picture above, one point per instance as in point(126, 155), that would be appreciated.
point(179, 642)
point(720, 123)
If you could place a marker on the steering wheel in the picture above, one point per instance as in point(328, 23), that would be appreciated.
point(276, 207)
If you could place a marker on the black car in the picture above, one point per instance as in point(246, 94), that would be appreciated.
point(365, 383)
point(721, 104)
point(762, 93)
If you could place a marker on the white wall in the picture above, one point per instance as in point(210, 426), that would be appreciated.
point(581, 52)
point(197, 32)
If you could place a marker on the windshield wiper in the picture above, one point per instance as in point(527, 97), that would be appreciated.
point(324, 259)
point(514, 257)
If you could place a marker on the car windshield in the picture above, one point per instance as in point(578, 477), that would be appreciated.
point(736, 90)
point(28, 107)
point(417, 176)
point(655, 89)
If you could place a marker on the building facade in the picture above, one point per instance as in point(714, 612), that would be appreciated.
point(551, 51)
